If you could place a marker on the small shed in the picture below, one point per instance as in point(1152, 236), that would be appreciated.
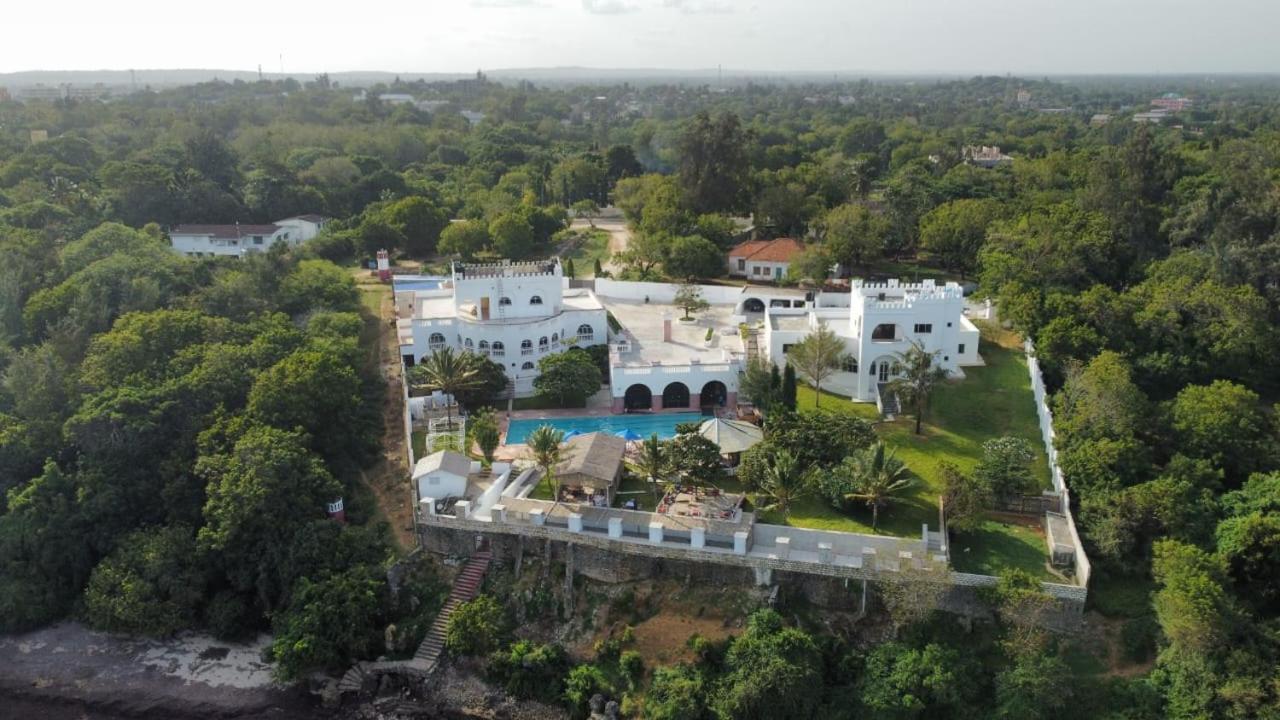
point(442, 475)
point(1057, 535)
point(592, 467)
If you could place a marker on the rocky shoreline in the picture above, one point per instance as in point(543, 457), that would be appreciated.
point(69, 671)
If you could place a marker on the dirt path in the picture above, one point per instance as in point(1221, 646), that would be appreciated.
point(389, 478)
point(619, 238)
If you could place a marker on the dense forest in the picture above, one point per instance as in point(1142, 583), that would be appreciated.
point(171, 429)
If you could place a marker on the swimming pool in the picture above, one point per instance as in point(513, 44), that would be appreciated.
point(404, 283)
point(645, 425)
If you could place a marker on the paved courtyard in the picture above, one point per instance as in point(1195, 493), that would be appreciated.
point(642, 323)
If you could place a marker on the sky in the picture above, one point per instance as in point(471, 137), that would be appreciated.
point(1024, 37)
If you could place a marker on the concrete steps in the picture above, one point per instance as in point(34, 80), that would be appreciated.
point(427, 656)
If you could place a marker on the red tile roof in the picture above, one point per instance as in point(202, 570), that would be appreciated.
point(778, 250)
point(224, 231)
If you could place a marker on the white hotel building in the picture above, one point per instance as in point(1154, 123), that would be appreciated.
point(879, 321)
point(514, 313)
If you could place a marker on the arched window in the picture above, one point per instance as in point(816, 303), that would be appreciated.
point(504, 301)
point(535, 300)
point(542, 344)
point(527, 366)
point(498, 349)
point(885, 332)
point(585, 332)
point(555, 337)
point(526, 347)
point(484, 347)
point(436, 341)
point(467, 343)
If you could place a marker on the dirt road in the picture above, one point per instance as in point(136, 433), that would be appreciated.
point(619, 238)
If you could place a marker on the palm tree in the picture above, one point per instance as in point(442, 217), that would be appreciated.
point(448, 372)
point(653, 462)
point(545, 442)
point(919, 375)
point(877, 478)
point(784, 481)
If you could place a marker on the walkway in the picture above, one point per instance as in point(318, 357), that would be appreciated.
point(427, 657)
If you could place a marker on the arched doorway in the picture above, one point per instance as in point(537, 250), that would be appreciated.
point(884, 369)
point(753, 305)
point(675, 395)
point(638, 397)
point(714, 394)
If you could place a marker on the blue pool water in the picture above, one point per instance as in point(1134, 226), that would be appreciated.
point(644, 425)
point(415, 282)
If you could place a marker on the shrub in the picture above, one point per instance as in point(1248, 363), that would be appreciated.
point(530, 671)
point(1138, 638)
point(476, 627)
point(583, 682)
point(632, 666)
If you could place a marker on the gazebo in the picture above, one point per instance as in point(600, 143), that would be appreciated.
point(733, 437)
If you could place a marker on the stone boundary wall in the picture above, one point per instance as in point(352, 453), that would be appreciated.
point(1083, 568)
point(432, 527)
point(616, 562)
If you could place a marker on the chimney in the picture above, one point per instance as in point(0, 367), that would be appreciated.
point(666, 327)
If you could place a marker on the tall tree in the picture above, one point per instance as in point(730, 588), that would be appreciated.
point(447, 371)
point(714, 167)
point(816, 357)
point(877, 477)
point(920, 374)
point(544, 442)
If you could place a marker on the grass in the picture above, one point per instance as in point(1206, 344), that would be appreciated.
point(591, 245)
point(634, 487)
point(1123, 596)
point(994, 547)
point(990, 402)
point(419, 440)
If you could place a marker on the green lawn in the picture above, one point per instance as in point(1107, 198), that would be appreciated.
point(419, 443)
point(989, 402)
point(593, 246)
point(994, 547)
point(635, 488)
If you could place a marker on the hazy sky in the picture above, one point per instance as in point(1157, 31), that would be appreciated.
point(954, 36)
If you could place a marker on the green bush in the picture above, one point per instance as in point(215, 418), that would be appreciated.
point(477, 627)
point(1138, 638)
point(583, 682)
point(530, 671)
point(632, 666)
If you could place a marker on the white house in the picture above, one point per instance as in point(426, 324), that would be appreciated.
point(881, 320)
point(237, 240)
point(764, 260)
point(514, 313)
point(442, 475)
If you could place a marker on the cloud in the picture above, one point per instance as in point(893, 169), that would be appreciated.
point(608, 7)
point(508, 4)
point(699, 7)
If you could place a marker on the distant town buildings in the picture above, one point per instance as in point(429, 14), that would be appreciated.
point(65, 91)
point(1153, 117)
point(1099, 120)
point(1173, 102)
point(985, 156)
point(1024, 97)
point(237, 240)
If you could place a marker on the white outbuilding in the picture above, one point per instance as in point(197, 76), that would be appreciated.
point(442, 475)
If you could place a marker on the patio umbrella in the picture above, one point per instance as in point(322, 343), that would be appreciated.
point(630, 435)
point(731, 436)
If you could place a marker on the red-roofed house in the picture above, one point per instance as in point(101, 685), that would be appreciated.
point(763, 259)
